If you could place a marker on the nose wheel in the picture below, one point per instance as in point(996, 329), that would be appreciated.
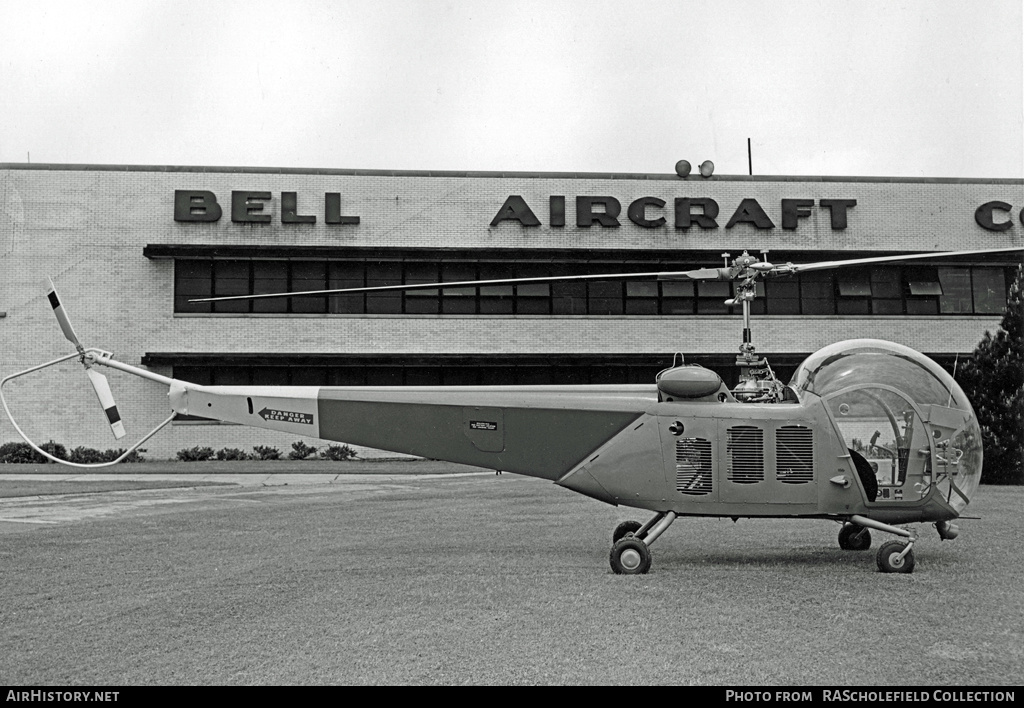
point(896, 557)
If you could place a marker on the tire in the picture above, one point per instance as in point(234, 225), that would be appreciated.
point(854, 538)
point(887, 558)
point(626, 527)
point(630, 556)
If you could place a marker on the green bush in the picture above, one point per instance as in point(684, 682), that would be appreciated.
point(337, 453)
point(19, 453)
point(265, 452)
point(232, 453)
point(136, 455)
point(195, 454)
point(55, 449)
point(300, 451)
point(87, 456)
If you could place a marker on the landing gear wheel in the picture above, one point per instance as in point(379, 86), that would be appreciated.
point(889, 560)
point(626, 527)
point(854, 538)
point(630, 556)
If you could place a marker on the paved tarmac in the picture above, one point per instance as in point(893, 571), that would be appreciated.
point(194, 491)
point(245, 480)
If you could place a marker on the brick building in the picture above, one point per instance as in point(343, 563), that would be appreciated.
point(129, 246)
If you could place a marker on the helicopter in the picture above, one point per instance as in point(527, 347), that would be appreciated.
point(869, 434)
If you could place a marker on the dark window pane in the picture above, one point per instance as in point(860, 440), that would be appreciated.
point(642, 306)
point(854, 283)
point(569, 298)
point(885, 283)
point(380, 274)
point(341, 275)
point(460, 376)
point(384, 376)
point(425, 301)
point(307, 276)
point(880, 306)
point(458, 301)
point(533, 375)
point(423, 376)
point(783, 306)
point(601, 374)
point(677, 288)
point(193, 269)
point(202, 375)
point(642, 288)
point(711, 297)
point(270, 277)
point(852, 306)
point(497, 376)
point(232, 376)
point(604, 298)
point(309, 376)
point(346, 376)
point(678, 305)
point(231, 278)
point(956, 290)
point(989, 290)
point(270, 376)
point(817, 293)
point(922, 306)
point(496, 299)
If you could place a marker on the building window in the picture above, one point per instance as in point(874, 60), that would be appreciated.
point(863, 291)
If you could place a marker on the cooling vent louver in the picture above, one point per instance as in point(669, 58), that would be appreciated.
point(693, 466)
point(745, 448)
point(794, 454)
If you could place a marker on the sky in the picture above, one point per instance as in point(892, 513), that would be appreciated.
point(912, 88)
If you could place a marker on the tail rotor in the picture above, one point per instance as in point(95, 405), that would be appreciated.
point(99, 382)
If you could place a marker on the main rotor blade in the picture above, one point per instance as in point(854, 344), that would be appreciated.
point(62, 316)
point(727, 274)
point(825, 265)
point(442, 286)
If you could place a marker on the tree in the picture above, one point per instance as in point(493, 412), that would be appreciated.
point(994, 382)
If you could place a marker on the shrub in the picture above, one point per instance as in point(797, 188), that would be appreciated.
point(265, 452)
point(136, 455)
point(195, 454)
point(232, 453)
point(86, 456)
point(18, 453)
point(55, 449)
point(300, 451)
point(337, 453)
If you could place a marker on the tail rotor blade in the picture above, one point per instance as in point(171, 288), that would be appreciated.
point(62, 317)
point(102, 388)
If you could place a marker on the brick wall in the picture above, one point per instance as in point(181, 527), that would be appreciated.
point(87, 227)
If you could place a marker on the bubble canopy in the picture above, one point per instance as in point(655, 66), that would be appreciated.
point(869, 382)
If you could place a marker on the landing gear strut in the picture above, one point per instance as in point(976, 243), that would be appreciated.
point(894, 556)
point(631, 554)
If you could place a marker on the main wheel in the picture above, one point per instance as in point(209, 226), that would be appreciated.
point(889, 560)
point(626, 527)
point(854, 538)
point(630, 556)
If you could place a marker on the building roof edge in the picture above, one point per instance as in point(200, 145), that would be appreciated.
point(198, 169)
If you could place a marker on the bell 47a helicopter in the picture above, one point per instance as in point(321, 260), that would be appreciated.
point(868, 433)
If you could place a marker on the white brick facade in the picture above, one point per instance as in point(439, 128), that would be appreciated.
point(87, 227)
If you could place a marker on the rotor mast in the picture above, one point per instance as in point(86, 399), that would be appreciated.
point(756, 379)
